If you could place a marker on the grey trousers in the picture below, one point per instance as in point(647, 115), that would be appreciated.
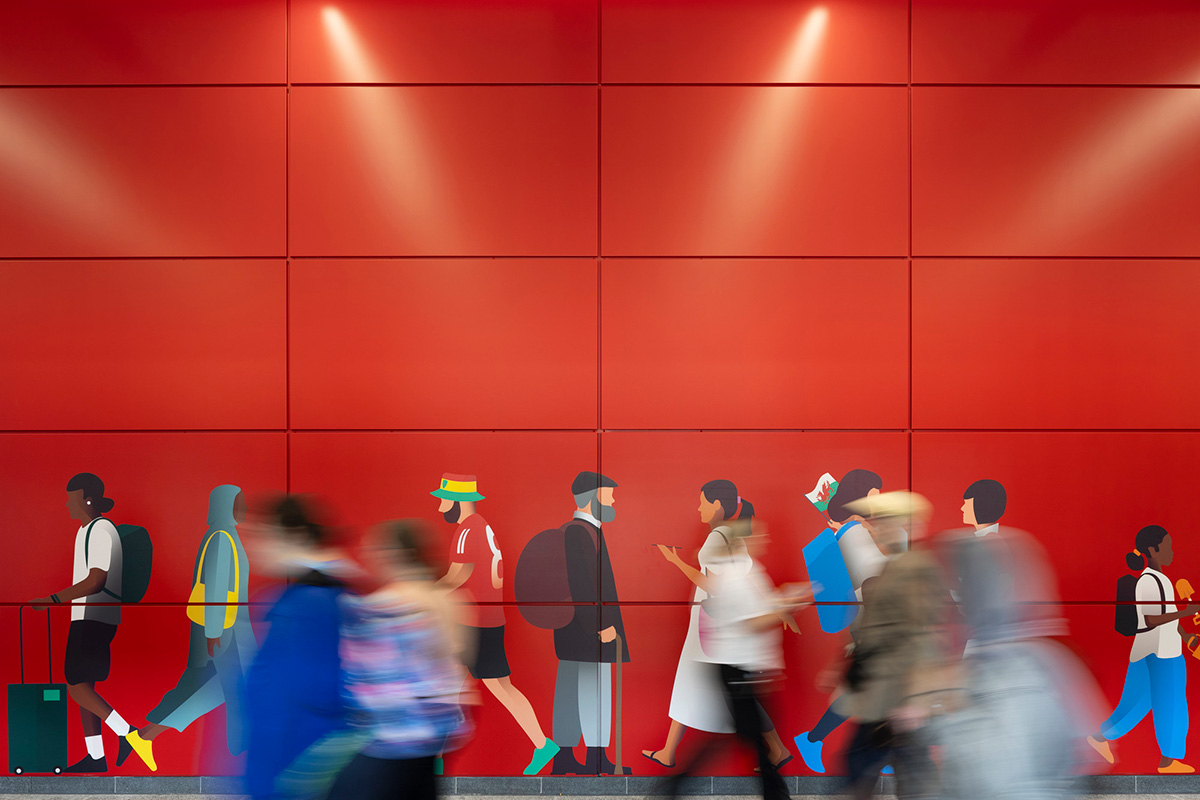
point(582, 704)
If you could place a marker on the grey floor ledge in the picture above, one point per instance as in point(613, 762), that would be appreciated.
point(571, 786)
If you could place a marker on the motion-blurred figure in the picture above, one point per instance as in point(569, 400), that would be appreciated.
point(697, 697)
point(295, 712)
point(402, 648)
point(895, 670)
point(741, 626)
point(1016, 729)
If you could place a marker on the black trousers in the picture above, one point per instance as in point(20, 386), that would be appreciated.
point(875, 745)
point(368, 778)
point(742, 692)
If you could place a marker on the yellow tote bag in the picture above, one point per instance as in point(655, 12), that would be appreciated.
point(196, 612)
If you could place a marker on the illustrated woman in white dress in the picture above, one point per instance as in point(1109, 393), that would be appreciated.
point(697, 698)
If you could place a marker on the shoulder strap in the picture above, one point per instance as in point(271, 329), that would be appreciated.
point(87, 538)
point(841, 531)
point(1161, 593)
point(237, 571)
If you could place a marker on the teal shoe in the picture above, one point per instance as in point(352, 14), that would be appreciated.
point(439, 766)
point(810, 752)
point(541, 757)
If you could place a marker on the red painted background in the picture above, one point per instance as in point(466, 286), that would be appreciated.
point(346, 246)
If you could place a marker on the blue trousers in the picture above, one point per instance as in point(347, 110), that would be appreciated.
point(1157, 684)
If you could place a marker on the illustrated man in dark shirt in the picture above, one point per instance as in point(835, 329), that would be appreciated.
point(593, 640)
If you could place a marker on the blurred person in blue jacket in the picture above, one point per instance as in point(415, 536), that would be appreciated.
point(221, 646)
point(402, 650)
point(294, 692)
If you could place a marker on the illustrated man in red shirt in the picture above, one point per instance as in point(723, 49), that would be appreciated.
point(477, 565)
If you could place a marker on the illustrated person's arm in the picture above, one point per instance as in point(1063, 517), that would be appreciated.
point(93, 583)
point(1154, 620)
point(456, 576)
point(691, 573)
point(217, 571)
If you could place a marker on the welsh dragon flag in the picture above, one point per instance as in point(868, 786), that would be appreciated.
point(823, 493)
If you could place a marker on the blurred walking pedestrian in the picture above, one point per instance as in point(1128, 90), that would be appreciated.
point(402, 650)
point(741, 624)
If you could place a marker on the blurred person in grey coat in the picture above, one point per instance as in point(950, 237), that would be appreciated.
point(1019, 728)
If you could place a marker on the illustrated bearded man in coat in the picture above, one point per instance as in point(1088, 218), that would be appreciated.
point(593, 640)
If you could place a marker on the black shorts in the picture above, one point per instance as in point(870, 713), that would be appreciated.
point(489, 659)
point(88, 655)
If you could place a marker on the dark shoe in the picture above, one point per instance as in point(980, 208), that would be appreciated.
point(124, 749)
point(598, 764)
point(564, 763)
point(88, 765)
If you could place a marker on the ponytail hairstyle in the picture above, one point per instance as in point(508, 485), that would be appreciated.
point(732, 506)
point(1147, 537)
point(93, 489)
point(856, 484)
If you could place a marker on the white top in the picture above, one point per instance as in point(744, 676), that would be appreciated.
point(993, 528)
point(586, 517)
point(737, 598)
point(103, 552)
point(862, 557)
point(1164, 641)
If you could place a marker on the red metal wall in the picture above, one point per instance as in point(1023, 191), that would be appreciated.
point(346, 246)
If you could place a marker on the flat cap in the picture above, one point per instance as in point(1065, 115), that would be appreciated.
point(590, 482)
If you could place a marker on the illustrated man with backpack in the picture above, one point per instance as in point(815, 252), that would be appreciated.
point(112, 564)
point(565, 565)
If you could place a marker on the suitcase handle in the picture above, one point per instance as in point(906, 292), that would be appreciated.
point(21, 639)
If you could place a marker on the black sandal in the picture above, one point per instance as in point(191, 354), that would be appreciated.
point(656, 761)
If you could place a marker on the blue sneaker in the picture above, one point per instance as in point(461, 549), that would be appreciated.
point(887, 770)
point(810, 752)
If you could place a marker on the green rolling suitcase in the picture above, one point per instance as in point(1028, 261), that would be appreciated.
point(37, 718)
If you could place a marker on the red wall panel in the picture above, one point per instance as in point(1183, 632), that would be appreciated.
point(443, 171)
point(750, 171)
point(142, 172)
point(468, 344)
point(142, 42)
point(1054, 344)
point(159, 481)
point(1055, 171)
point(753, 344)
point(143, 344)
point(661, 473)
point(755, 41)
point(1067, 41)
point(443, 41)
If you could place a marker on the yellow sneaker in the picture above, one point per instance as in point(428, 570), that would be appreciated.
point(1103, 748)
point(1176, 768)
point(144, 749)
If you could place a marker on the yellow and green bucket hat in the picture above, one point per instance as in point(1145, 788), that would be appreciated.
point(457, 487)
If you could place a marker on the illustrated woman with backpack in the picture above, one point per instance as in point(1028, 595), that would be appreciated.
point(1156, 680)
point(98, 577)
point(698, 700)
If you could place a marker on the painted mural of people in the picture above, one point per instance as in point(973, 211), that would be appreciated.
point(221, 644)
point(593, 640)
point(863, 561)
point(477, 565)
point(1156, 679)
point(96, 578)
point(698, 700)
point(983, 505)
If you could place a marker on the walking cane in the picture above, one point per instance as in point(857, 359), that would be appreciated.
point(620, 769)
